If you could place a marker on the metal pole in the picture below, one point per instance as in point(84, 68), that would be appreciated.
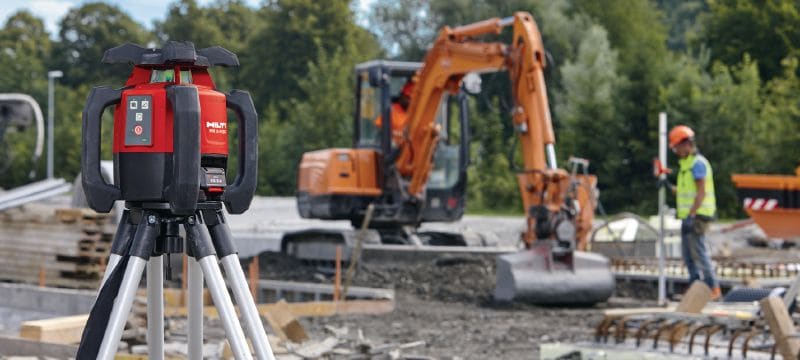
point(51, 76)
point(247, 307)
point(122, 307)
point(195, 305)
point(224, 304)
point(155, 307)
point(662, 203)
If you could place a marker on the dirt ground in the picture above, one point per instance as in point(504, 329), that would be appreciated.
point(447, 304)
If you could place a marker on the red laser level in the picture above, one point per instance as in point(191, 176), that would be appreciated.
point(170, 164)
point(170, 132)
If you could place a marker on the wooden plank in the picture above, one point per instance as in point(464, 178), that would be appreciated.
point(308, 309)
point(71, 215)
point(330, 308)
point(172, 297)
point(636, 311)
point(60, 330)
point(781, 326)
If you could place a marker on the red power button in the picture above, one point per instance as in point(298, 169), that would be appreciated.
point(137, 130)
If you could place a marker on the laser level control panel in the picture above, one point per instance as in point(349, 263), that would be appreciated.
point(139, 120)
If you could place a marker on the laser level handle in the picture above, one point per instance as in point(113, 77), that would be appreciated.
point(99, 194)
point(182, 192)
point(237, 197)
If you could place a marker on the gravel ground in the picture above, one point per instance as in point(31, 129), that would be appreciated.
point(448, 305)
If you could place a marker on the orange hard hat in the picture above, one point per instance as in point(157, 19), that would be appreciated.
point(678, 134)
point(408, 88)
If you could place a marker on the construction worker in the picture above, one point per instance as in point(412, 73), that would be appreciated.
point(399, 112)
point(696, 205)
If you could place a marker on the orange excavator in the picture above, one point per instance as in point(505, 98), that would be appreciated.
point(420, 175)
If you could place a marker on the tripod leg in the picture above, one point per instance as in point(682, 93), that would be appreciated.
point(223, 243)
point(155, 308)
point(119, 245)
point(195, 305)
point(141, 248)
point(203, 250)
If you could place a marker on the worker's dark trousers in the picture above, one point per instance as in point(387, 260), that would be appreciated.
point(694, 251)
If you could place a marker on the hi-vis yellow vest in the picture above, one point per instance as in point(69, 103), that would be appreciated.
point(687, 188)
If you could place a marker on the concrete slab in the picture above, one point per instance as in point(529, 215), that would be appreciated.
point(21, 302)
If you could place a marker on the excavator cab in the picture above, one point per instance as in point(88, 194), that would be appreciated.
point(379, 86)
point(339, 184)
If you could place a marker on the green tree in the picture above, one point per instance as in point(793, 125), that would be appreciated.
point(323, 120)
point(86, 32)
point(24, 43)
point(586, 109)
point(187, 21)
point(636, 31)
point(295, 32)
point(227, 23)
point(406, 27)
point(780, 119)
point(682, 17)
point(492, 183)
point(765, 29)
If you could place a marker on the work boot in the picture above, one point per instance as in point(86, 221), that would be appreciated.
point(716, 293)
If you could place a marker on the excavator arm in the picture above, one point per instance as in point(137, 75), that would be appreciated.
point(558, 205)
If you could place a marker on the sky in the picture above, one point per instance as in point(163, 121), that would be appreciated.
point(143, 11)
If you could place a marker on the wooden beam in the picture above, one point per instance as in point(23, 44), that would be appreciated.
point(60, 330)
point(781, 326)
point(308, 309)
point(636, 311)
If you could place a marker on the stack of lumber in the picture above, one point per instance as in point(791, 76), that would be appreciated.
point(44, 245)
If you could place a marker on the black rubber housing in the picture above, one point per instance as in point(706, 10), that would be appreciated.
point(122, 237)
point(99, 194)
point(237, 196)
point(182, 193)
point(221, 236)
point(172, 52)
point(198, 245)
point(146, 174)
point(145, 238)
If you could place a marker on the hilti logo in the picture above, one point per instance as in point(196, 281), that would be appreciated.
point(216, 125)
point(760, 204)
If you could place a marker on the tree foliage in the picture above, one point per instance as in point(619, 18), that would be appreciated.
point(728, 68)
point(294, 34)
point(85, 33)
point(765, 29)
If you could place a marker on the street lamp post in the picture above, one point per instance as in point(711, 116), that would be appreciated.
point(51, 76)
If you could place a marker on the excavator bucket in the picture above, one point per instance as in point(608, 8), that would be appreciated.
point(543, 276)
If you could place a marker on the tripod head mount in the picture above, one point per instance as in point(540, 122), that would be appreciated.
point(170, 132)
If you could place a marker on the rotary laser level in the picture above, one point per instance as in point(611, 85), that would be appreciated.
point(170, 163)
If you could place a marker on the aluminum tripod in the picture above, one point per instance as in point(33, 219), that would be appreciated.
point(145, 234)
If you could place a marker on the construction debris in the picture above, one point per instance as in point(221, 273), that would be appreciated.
point(285, 324)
